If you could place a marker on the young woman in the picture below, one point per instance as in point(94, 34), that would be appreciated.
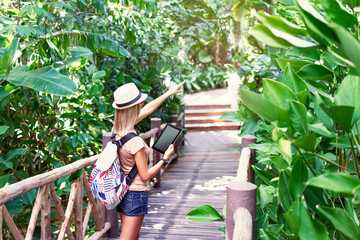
point(128, 101)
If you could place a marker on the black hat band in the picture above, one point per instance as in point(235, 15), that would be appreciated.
point(130, 102)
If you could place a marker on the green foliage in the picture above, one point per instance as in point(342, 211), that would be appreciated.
point(306, 119)
point(263, 106)
point(204, 213)
point(335, 182)
point(310, 228)
point(342, 221)
point(46, 80)
point(348, 94)
point(60, 62)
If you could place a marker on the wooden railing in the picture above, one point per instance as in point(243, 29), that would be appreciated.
point(241, 196)
point(104, 220)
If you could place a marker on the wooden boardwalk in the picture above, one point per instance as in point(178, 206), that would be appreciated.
point(199, 178)
point(210, 162)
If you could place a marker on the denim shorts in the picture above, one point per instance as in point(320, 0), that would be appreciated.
point(135, 203)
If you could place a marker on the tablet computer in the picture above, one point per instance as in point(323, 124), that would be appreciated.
point(167, 137)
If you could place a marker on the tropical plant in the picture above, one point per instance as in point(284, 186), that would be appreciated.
point(60, 61)
point(206, 213)
point(307, 123)
point(204, 37)
point(305, 117)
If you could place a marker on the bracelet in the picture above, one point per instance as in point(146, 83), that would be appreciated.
point(164, 160)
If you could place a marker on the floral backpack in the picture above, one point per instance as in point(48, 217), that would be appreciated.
point(108, 183)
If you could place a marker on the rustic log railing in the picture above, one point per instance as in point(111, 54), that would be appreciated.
point(241, 196)
point(104, 220)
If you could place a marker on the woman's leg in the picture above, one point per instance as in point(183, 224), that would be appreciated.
point(130, 227)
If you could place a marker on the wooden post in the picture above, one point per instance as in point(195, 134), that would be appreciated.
point(69, 208)
point(11, 225)
point(60, 210)
point(97, 212)
point(97, 235)
point(182, 124)
point(243, 168)
point(241, 196)
point(46, 215)
point(243, 228)
point(86, 218)
point(175, 119)
point(35, 213)
point(156, 123)
point(111, 216)
point(79, 210)
point(101, 210)
point(246, 141)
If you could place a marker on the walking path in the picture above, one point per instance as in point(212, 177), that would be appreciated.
point(199, 178)
point(204, 110)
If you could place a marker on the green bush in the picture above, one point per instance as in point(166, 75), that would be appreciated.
point(301, 99)
point(307, 123)
point(60, 62)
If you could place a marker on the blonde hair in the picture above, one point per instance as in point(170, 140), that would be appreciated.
point(125, 119)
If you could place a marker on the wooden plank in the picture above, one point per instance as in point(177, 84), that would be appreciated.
point(149, 134)
point(99, 234)
point(203, 169)
point(199, 178)
point(176, 225)
point(101, 210)
point(207, 112)
point(212, 126)
point(206, 155)
point(211, 154)
point(199, 140)
point(79, 210)
point(46, 215)
point(189, 231)
point(60, 210)
point(97, 213)
point(192, 168)
point(69, 208)
point(221, 153)
point(156, 123)
point(180, 235)
point(35, 213)
point(210, 160)
point(11, 225)
point(16, 189)
point(207, 106)
point(86, 218)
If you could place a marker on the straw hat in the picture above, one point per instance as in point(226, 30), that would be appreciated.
point(128, 95)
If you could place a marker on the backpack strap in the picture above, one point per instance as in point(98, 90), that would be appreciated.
point(119, 143)
point(123, 140)
point(130, 177)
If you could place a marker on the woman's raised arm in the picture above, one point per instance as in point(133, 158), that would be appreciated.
point(153, 105)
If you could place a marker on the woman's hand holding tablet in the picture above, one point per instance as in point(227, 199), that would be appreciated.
point(167, 137)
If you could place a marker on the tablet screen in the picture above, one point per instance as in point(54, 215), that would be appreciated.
point(167, 137)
